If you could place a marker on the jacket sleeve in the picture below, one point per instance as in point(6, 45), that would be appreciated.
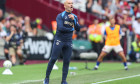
point(61, 27)
point(76, 24)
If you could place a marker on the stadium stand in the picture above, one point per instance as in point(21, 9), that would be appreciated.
point(47, 10)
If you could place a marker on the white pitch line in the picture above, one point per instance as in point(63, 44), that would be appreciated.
point(29, 81)
point(117, 79)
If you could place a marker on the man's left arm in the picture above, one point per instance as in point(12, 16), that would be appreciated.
point(76, 24)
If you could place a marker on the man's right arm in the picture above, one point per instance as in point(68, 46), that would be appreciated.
point(9, 36)
point(60, 26)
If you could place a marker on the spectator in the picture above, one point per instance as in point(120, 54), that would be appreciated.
point(95, 36)
point(27, 26)
point(2, 22)
point(11, 15)
point(83, 30)
point(136, 25)
point(97, 8)
point(132, 3)
point(89, 4)
point(127, 19)
point(105, 22)
point(12, 21)
point(2, 5)
point(112, 7)
point(135, 50)
point(20, 20)
point(2, 33)
point(124, 29)
point(137, 9)
point(3, 36)
point(34, 28)
point(106, 12)
point(15, 42)
point(127, 7)
point(104, 3)
point(123, 26)
point(1, 13)
point(39, 23)
point(54, 26)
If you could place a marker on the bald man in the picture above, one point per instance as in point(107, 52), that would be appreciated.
point(67, 22)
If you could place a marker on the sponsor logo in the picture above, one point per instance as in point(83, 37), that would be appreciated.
point(65, 17)
point(68, 23)
point(36, 47)
point(57, 43)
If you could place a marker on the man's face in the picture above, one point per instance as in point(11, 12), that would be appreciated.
point(112, 21)
point(68, 5)
point(12, 28)
point(138, 20)
point(1, 13)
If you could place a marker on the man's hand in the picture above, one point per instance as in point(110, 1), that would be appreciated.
point(71, 16)
point(12, 32)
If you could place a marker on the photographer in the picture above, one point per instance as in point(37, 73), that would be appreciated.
point(15, 43)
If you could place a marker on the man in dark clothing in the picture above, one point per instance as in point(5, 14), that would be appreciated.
point(66, 23)
point(2, 5)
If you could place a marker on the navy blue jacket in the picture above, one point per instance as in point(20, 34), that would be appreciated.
point(64, 26)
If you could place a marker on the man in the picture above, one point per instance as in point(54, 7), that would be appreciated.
point(83, 30)
point(15, 42)
point(95, 36)
point(3, 37)
point(97, 8)
point(2, 6)
point(135, 50)
point(112, 42)
point(66, 23)
point(136, 25)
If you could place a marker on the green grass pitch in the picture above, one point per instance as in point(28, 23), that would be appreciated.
point(34, 74)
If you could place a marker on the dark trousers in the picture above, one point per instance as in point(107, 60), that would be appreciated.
point(66, 49)
point(97, 47)
point(132, 56)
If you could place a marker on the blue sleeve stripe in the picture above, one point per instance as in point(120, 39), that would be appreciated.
point(72, 29)
point(63, 13)
point(105, 32)
point(120, 31)
point(74, 15)
point(74, 20)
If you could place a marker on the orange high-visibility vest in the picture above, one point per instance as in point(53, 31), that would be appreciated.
point(113, 36)
point(54, 26)
point(95, 29)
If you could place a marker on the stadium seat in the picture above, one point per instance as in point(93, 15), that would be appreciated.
point(88, 56)
point(84, 47)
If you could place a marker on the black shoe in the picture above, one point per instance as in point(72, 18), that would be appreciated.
point(95, 68)
point(13, 64)
point(46, 81)
point(126, 69)
point(64, 82)
point(21, 63)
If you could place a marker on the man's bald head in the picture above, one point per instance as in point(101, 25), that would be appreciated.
point(68, 5)
point(67, 1)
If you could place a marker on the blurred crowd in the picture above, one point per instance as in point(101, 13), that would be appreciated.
point(109, 8)
point(14, 29)
point(127, 14)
